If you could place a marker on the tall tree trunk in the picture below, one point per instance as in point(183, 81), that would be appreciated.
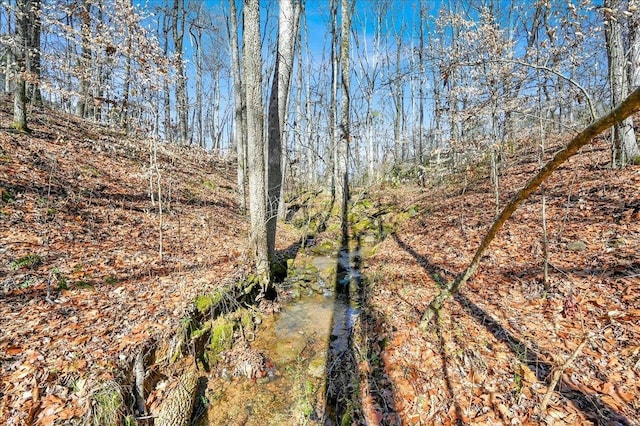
point(287, 29)
point(196, 37)
point(34, 66)
point(168, 131)
point(239, 124)
point(252, 72)
point(634, 44)
point(182, 99)
point(124, 109)
point(85, 57)
point(398, 150)
point(624, 139)
point(342, 151)
point(333, 99)
point(421, 83)
point(20, 54)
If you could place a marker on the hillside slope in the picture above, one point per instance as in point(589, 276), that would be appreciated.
point(76, 212)
point(492, 355)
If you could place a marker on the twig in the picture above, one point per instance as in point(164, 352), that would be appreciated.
point(48, 297)
point(557, 373)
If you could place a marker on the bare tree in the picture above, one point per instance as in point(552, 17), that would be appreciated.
point(625, 147)
point(629, 106)
point(84, 62)
point(182, 100)
point(342, 150)
point(20, 55)
point(252, 73)
point(34, 63)
point(239, 123)
point(288, 24)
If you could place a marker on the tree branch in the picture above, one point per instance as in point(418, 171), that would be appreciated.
point(628, 107)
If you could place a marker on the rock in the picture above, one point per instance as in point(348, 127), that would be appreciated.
point(577, 246)
point(317, 365)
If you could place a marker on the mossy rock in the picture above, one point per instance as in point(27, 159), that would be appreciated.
point(204, 303)
point(363, 225)
point(246, 320)
point(221, 336)
point(577, 246)
point(326, 246)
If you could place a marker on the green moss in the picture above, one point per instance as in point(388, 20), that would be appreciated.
point(221, 336)
point(363, 225)
point(63, 283)
point(246, 320)
point(31, 261)
point(22, 128)
point(84, 284)
point(7, 196)
point(91, 171)
point(209, 185)
point(110, 280)
point(206, 327)
point(279, 269)
point(204, 303)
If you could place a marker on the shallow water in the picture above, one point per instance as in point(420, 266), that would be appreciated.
point(296, 341)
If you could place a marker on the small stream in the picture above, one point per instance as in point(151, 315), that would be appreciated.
point(305, 345)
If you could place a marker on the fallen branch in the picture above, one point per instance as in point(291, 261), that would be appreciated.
point(628, 107)
point(557, 373)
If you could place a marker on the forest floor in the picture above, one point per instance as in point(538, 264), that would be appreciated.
point(492, 354)
point(76, 212)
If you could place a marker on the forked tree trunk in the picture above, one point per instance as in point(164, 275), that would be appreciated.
point(628, 107)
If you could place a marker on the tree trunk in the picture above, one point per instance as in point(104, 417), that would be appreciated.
point(287, 29)
point(181, 80)
point(333, 100)
point(196, 37)
point(34, 67)
point(124, 109)
point(342, 151)
point(239, 125)
point(252, 72)
point(628, 107)
point(634, 44)
point(166, 95)
point(85, 57)
point(20, 54)
point(398, 150)
point(625, 147)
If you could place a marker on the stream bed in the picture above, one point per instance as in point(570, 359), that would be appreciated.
point(302, 345)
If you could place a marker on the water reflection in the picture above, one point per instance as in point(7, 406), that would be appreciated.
point(342, 379)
